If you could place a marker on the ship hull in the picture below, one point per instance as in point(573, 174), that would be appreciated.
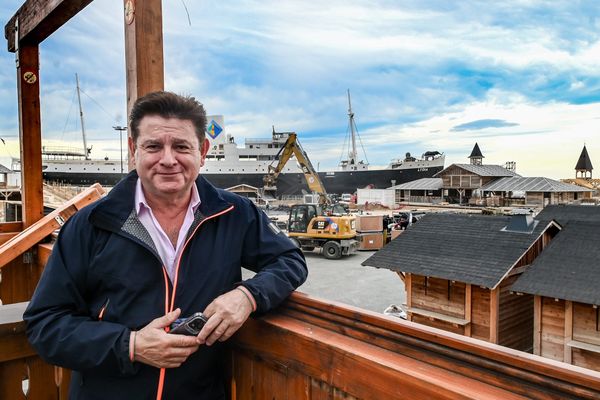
point(288, 184)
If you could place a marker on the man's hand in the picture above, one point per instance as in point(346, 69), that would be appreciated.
point(225, 315)
point(154, 346)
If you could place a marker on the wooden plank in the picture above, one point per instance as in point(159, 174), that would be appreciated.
point(38, 19)
point(408, 287)
point(10, 227)
point(568, 331)
point(494, 314)
point(401, 275)
point(43, 253)
point(584, 346)
point(35, 233)
point(13, 342)
point(468, 309)
point(143, 51)
point(30, 134)
point(5, 237)
point(331, 343)
point(438, 316)
point(362, 370)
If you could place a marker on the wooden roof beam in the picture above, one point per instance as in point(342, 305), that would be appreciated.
point(38, 19)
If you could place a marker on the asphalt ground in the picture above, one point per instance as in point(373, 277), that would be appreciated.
point(346, 281)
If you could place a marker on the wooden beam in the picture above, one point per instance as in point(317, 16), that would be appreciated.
point(408, 287)
point(494, 314)
point(468, 308)
point(44, 227)
point(143, 50)
point(537, 325)
point(9, 227)
point(568, 353)
point(38, 19)
point(30, 134)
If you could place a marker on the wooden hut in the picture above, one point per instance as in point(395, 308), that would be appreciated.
point(457, 270)
point(564, 281)
point(536, 191)
point(459, 181)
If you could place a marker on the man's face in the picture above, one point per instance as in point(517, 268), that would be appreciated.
point(167, 156)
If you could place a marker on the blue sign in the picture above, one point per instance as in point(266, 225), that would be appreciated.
point(214, 129)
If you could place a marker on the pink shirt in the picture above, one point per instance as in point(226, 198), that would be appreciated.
point(168, 254)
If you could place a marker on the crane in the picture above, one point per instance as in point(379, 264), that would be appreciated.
point(292, 147)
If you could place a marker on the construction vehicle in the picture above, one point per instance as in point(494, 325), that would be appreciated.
point(318, 224)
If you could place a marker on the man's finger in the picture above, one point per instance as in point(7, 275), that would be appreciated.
point(166, 319)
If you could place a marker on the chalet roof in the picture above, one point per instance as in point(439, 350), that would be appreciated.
point(568, 268)
point(482, 170)
point(564, 213)
point(421, 184)
point(476, 153)
point(584, 162)
point(4, 170)
point(531, 184)
point(465, 248)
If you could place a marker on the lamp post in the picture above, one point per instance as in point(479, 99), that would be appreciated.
point(120, 129)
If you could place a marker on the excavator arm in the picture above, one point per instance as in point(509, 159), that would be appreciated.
point(292, 147)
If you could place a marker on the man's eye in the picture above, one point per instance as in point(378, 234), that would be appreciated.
point(151, 147)
point(182, 148)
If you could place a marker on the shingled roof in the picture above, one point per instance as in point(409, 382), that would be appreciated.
point(465, 248)
point(584, 163)
point(482, 170)
point(564, 213)
point(531, 184)
point(421, 184)
point(476, 152)
point(568, 268)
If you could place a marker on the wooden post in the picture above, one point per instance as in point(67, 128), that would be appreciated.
point(537, 325)
point(494, 314)
point(568, 354)
point(143, 50)
point(468, 308)
point(408, 287)
point(30, 134)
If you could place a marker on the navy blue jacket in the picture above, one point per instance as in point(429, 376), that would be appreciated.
point(105, 278)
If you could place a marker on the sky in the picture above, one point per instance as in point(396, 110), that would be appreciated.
point(521, 78)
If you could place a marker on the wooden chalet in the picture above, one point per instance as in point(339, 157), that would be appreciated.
point(460, 181)
point(564, 281)
point(457, 270)
point(308, 348)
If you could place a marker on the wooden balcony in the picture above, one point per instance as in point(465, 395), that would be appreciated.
point(306, 349)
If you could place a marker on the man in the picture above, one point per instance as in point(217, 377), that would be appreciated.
point(163, 244)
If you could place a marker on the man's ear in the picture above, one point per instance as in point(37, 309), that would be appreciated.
point(131, 145)
point(204, 151)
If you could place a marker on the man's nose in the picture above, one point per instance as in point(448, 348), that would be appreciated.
point(168, 156)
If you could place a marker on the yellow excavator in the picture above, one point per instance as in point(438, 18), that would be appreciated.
point(314, 225)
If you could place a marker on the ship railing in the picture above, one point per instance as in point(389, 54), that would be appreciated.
point(308, 348)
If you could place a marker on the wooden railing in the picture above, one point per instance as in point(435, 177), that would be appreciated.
point(23, 255)
point(315, 349)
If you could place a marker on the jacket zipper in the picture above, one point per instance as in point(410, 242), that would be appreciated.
point(170, 304)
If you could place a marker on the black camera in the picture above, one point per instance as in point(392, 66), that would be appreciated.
point(190, 326)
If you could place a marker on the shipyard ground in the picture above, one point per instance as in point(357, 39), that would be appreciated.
point(346, 281)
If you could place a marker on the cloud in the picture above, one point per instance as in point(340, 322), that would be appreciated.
point(482, 124)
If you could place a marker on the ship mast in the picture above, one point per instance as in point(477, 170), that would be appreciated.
point(85, 149)
point(352, 156)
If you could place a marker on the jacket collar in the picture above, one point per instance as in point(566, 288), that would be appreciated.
point(112, 211)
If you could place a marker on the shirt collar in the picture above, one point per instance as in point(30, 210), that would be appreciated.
point(140, 198)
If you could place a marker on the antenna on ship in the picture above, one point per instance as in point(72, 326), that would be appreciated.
point(352, 155)
point(86, 151)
